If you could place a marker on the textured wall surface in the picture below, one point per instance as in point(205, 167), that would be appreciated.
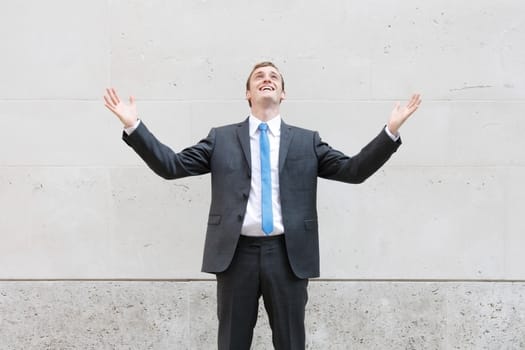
point(340, 315)
point(77, 204)
point(81, 204)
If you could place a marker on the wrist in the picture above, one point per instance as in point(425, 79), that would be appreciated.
point(393, 136)
point(131, 124)
point(392, 129)
point(130, 129)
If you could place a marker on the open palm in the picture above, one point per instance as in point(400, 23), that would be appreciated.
point(400, 114)
point(127, 113)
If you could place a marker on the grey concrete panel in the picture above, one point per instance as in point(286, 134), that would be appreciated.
point(55, 223)
point(205, 115)
point(466, 134)
point(205, 50)
point(405, 222)
point(448, 51)
point(203, 315)
point(481, 329)
point(339, 315)
point(514, 224)
point(105, 315)
point(94, 223)
point(423, 222)
point(158, 226)
point(341, 50)
point(64, 222)
point(54, 50)
point(82, 133)
point(441, 133)
point(484, 133)
point(377, 316)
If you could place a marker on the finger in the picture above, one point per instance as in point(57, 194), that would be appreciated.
point(417, 101)
point(132, 100)
point(111, 94)
point(110, 107)
point(412, 101)
point(114, 96)
point(107, 100)
point(411, 110)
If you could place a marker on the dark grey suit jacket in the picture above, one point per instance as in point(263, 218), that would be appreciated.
point(225, 153)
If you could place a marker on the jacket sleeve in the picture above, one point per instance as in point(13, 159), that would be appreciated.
point(194, 160)
point(335, 165)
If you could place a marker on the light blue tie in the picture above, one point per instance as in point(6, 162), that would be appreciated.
point(266, 180)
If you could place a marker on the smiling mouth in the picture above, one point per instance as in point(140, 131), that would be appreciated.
point(266, 88)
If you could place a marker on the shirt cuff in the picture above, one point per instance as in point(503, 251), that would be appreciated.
point(392, 136)
point(132, 128)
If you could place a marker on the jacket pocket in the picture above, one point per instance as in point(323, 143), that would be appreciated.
point(214, 219)
point(310, 225)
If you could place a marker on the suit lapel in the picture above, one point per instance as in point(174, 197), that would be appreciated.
point(286, 138)
point(243, 134)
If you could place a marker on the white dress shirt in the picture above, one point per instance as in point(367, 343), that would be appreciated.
point(251, 225)
point(132, 128)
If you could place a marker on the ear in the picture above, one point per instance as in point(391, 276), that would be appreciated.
point(248, 95)
point(283, 96)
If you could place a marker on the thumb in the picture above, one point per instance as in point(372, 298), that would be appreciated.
point(397, 105)
point(132, 100)
point(396, 108)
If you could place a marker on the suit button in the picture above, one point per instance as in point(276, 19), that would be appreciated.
point(245, 195)
point(240, 217)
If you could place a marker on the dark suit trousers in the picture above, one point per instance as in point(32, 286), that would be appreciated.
point(260, 267)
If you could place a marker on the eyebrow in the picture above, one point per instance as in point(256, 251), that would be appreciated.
point(259, 73)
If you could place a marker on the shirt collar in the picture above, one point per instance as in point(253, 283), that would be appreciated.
point(274, 125)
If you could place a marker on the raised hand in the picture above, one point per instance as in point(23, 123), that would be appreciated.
point(400, 114)
point(127, 113)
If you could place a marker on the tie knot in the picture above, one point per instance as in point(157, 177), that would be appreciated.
point(263, 126)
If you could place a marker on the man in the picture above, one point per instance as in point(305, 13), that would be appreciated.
point(262, 235)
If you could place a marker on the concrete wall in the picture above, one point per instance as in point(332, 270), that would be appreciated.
point(77, 204)
point(340, 315)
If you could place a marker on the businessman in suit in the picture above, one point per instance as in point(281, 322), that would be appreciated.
point(262, 234)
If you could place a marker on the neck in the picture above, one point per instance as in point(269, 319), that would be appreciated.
point(265, 113)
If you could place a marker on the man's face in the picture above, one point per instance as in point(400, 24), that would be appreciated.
point(265, 86)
